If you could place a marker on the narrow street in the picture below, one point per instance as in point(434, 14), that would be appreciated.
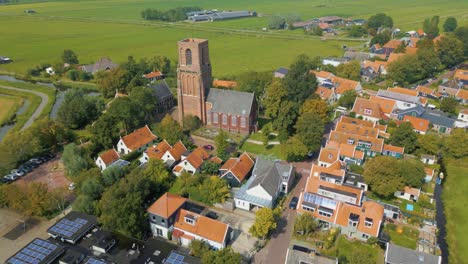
point(275, 251)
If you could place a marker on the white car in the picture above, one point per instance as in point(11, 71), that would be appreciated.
point(17, 172)
point(12, 177)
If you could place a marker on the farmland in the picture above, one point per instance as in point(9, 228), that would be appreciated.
point(115, 29)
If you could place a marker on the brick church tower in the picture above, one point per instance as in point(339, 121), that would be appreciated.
point(193, 78)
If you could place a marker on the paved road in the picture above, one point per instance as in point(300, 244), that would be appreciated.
point(40, 108)
point(275, 250)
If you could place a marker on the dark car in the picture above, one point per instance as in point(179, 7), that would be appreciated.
point(50, 155)
point(209, 147)
point(26, 168)
point(293, 203)
point(31, 164)
point(212, 215)
point(5, 180)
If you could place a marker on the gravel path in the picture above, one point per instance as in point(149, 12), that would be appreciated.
point(40, 108)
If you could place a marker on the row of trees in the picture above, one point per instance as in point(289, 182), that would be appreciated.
point(202, 250)
point(171, 15)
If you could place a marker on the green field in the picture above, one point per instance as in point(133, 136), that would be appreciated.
point(114, 28)
point(455, 198)
point(9, 105)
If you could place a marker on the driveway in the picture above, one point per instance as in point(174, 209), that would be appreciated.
point(38, 111)
point(276, 249)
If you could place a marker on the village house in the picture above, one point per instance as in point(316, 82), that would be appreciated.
point(427, 92)
point(450, 87)
point(103, 64)
point(408, 193)
point(169, 217)
point(335, 204)
point(280, 72)
point(331, 20)
point(357, 55)
point(236, 170)
point(368, 110)
point(397, 255)
point(191, 162)
point(335, 151)
point(463, 115)
point(165, 152)
point(138, 140)
point(268, 180)
point(429, 174)
point(404, 98)
point(461, 75)
point(107, 158)
point(387, 106)
point(440, 121)
point(420, 126)
point(393, 151)
point(224, 84)
point(154, 76)
point(335, 61)
point(340, 85)
point(229, 110)
point(327, 94)
point(371, 146)
point(428, 159)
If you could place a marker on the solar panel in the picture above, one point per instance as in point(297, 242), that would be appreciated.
point(94, 261)
point(175, 258)
point(45, 244)
point(33, 253)
point(68, 228)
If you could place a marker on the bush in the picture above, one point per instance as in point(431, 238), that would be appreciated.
point(73, 75)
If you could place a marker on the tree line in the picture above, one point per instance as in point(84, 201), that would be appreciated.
point(171, 15)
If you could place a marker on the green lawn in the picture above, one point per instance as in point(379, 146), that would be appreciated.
point(9, 106)
point(455, 198)
point(272, 151)
point(402, 236)
point(345, 248)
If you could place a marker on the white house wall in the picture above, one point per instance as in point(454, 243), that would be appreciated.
point(213, 244)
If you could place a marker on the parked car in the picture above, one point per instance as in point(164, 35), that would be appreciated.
point(5, 180)
point(71, 186)
point(208, 147)
point(293, 203)
point(50, 155)
point(35, 160)
point(12, 177)
point(212, 215)
point(26, 168)
point(31, 164)
point(17, 172)
point(43, 159)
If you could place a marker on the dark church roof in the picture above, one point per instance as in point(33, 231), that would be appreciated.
point(230, 102)
point(161, 88)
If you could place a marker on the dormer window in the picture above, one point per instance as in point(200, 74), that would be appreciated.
point(189, 219)
point(350, 141)
point(368, 111)
point(353, 220)
point(368, 222)
point(330, 156)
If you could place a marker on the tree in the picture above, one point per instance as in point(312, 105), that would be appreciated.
point(305, 224)
point(405, 70)
point(191, 123)
point(429, 144)
point(450, 24)
point(221, 143)
point(276, 22)
point(357, 31)
point(266, 131)
point(401, 48)
point(428, 59)
point(69, 56)
point(309, 129)
point(317, 31)
point(161, 63)
point(112, 81)
point(450, 50)
point(383, 176)
point(294, 149)
point(275, 93)
point(299, 83)
point(129, 114)
point(185, 180)
point(347, 99)
point(404, 136)
point(285, 120)
point(85, 204)
point(462, 34)
point(169, 129)
point(157, 175)
point(147, 99)
point(73, 75)
point(112, 175)
point(210, 168)
point(214, 190)
point(92, 188)
point(381, 38)
point(456, 145)
point(350, 70)
point(265, 222)
point(379, 20)
point(78, 109)
point(412, 171)
point(225, 256)
point(105, 132)
point(199, 248)
point(449, 105)
point(431, 27)
point(254, 82)
point(316, 106)
point(73, 159)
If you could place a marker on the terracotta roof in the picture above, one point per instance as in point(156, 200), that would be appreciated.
point(323, 74)
point(386, 105)
point(328, 155)
point(367, 107)
point(224, 83)
point(421, 32)
point(375, 65)
point(139, 138)
point(343, 149)
point(156, 152)
point(359, 154)
point(417, 123)
point(216, 160)
point(177, 150)
point(403, 91)
point(356, 121)
point(240, 166)
point(368, 210)
point(342, 85)
point(178, 168)
point(197, 157)
point(429, 171)
point(395, 56)
point(384, 134)
point(343, 138)
point(412, 191)
point(203, 226)
point(380, 127)
point(464, 111)
point(323, 25)
point(109, 156)
point(425, 90)
point(167, 205)
point(356, 129)
point(393, 148)
point(461, 74)
point(153, 74)
point(414, 41)
point(462, 94)
point(323, 92)
point(392, 44)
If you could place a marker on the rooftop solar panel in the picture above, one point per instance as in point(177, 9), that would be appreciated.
point(175, 258)
point(94, 261)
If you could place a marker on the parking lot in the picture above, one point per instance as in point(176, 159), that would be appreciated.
point(51, 173)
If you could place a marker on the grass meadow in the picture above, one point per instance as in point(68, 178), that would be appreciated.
point(455, 198)
point(9, 105)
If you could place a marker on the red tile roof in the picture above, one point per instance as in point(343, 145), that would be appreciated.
point(109, 156)
point(153, 74)
point(323, 74)
point(403, 91)
point(369, 210)
point(356, 121)
point(177, 150)
point(203, 226)
point(156, 152)
point(462, 94)
point(343, 85)
point(367, 107)
point(392, 44)
point(139, 138)
point(323, 92)
point(417, 123)
point(461, 74)
point(167, 205)
point(386, 105)
point(197, 157)
point(224, 83)
point(356, 129)
point(343, 138)
point(240, 166)
point(393, 148)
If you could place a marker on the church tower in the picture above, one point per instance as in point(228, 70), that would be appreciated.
point(193, 77)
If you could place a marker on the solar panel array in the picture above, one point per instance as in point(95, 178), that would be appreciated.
point(33, 253)
point(94, 261)
point(67, 228)
point(319, 200)
point(175, 258)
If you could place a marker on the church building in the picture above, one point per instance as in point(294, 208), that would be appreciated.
point(229, 110)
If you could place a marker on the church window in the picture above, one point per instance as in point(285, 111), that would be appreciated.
point(215, 118)
point(243, 122)
point(224, 119)
point(188, 57)
point(234, 120)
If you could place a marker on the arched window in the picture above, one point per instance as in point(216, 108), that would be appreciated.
point(188, 57)
point(234, 120)
point(224, 119)
point(243, 122)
